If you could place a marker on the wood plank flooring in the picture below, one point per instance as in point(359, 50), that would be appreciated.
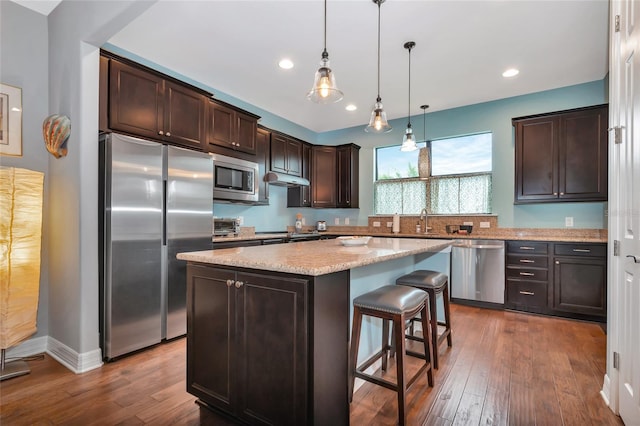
point(504, 368)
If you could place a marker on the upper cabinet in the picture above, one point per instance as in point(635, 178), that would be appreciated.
point(263, 139)
point(323, 176)
point(347, 174)
point(145, 104)
point(231, 128)
point(561, 156)
point(286, 154)
point(300, 196)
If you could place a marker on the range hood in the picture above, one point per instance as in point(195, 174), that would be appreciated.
point(281, 179)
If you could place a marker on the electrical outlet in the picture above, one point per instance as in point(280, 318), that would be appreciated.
point(485, 225)
point(304, 221)
point(346, 220)
point(240, 220)
point(468, 223)
point(376, 224)
point(336, 221)
point(389, 224)
point(568, 221)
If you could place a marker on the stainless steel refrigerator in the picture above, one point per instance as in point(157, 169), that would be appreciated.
point(156, 201)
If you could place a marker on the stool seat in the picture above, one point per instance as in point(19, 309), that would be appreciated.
point(393, 299)
point(424, 279)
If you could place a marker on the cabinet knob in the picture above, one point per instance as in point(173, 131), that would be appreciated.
point(555, 193)
point(557, 262)
point(160, 132)
point(229, 283)
point(168, 134)
point(239, 284)
point(562, 193)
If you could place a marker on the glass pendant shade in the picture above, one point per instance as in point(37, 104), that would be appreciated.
point(324, 89)
point(378, 122)
point(408, 141)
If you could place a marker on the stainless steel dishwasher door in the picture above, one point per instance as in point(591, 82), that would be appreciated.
point(477, 271)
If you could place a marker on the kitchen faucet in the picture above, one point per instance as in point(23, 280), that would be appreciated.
point(423, 215)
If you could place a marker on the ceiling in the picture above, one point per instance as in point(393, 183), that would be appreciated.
point(462, 48)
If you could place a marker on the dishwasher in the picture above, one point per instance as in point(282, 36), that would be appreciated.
point(477, 272)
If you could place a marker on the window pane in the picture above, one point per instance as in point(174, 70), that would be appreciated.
point(465, 154)
point(391, 163)
point(461, 194)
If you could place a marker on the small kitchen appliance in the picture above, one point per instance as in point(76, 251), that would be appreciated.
point(321, 225)
point(223, 226)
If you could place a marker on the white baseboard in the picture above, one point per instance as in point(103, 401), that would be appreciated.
point(606, 389)
point(78, 363)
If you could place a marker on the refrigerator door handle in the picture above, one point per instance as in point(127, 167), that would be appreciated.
point(164, 212)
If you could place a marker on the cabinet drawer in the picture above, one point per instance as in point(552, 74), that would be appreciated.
point(527, 294)
point(527, 274)
point(530, 247)
point(522, 260)
point(598, 250)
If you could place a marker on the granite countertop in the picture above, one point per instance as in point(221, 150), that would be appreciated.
point(316, 257)
point(529, 234)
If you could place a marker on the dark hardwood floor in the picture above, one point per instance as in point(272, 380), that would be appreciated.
point(504, 368)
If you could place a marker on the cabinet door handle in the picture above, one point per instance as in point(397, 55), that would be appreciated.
point(168, 134)
point(527, 248)
point(239, 284)
point(527, 274)
point(229, 283)
point(160, 132)
point(635, 259)
point(582, 250)
point(527, 261)
point(527, 293)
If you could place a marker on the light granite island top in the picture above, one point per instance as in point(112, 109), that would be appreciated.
point(315, 258)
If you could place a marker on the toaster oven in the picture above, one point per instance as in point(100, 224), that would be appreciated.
point(225, 226)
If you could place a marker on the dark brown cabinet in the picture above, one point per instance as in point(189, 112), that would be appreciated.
point(286, 154)
point(300, 196)
point(268, 348)
point(561, 156)
point(247, 334)
point(145, 104)
point(263, 147)
point(347, 174)
point(527, 274)
point(579, 279)
point(557, 278)
point(323, 176)
point(231, 128)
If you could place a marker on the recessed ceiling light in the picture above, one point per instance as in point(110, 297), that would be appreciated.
point(285, 64)
point(511, 72)
point(351, 107)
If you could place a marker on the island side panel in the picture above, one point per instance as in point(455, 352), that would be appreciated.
point(330, 348)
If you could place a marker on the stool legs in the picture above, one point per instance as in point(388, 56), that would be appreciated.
point(447, 315)
point(353, 353)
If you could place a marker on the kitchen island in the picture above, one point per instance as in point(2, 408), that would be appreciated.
point(268, 327)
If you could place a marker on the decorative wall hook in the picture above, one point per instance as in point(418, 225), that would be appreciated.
point(56, 129)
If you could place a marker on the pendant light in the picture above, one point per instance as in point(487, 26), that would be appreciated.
point(424, 162)
point(378, 122)
point(324, 89)
point(409, 140)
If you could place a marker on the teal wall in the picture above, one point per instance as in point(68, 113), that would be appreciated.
point(492, 117)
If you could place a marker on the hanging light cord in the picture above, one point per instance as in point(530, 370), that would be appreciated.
point(378, 98)
point(409, 106)
point(325, 54)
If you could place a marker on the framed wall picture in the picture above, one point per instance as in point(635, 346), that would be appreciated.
point(10, 120)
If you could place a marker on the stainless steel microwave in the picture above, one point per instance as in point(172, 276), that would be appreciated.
point(234, 180)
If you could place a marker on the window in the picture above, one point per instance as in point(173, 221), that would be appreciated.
point(460, 181)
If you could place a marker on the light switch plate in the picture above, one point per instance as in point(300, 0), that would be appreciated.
point(468, 223)
point(336, 221)
point(485, 224)
point(376, 224)
point(346, 220)
point(240, 220)
point(568, 221)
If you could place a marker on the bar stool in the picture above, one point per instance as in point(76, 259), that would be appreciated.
point(433, 283)
point(394, 303)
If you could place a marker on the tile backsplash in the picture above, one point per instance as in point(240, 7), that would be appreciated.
point(436, 223)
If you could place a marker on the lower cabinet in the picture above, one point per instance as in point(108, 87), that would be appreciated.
point(246, 335)
point(553, 278)
point(263, 348)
